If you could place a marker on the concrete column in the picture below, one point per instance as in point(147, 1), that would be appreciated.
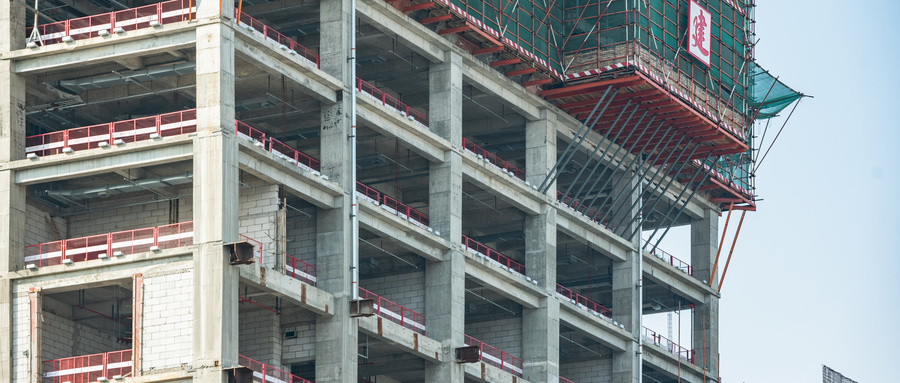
point(212, 8)
point(704, 244)
point(12, 196)
point(540, 326)
point(336, 336)
point(626, 303)
point(445, 297)
point(540, 148)
point(215, 207)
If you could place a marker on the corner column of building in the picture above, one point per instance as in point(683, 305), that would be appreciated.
point(626, 284)
point(215, 319)
point(540, 326)
point(336, 336)
point(12, 196)
point(704, 245)
point(445, 297)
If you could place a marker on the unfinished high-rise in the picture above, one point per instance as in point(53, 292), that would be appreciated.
point(369, 190)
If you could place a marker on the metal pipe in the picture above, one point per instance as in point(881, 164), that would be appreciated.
point(354, 203)
point(721, 242)
point(727, 261)
point(557, 168)
point(613, 157)
point(675, 203)
point(631, 165)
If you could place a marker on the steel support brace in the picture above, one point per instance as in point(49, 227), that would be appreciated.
point(668, 184)
point(645, 168)
point(631, 165)
point(681, 209)
point(611, 158)
point(597, 148)
point(567, 155)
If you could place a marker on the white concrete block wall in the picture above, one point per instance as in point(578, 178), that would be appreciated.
point(258, 209)
point(303, 347)
point(590, 371)
point(37, 230)
point(61, 337)
point(259, 334)
point(168, 320)
point(301, 235)
point(407, 290)
point(504, 333)
point(21, 337)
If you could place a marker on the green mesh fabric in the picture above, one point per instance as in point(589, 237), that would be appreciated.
point(778, 98)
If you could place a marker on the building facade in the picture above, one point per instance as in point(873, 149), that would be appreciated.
point(491, 198)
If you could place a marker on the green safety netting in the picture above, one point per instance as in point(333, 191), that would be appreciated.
point(778, 98)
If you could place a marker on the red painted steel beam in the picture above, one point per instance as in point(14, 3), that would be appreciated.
point(436, 19)
point(594, 100)
point(521, 72)
point(418, 7)
point(447, 31)
point(552, 94)
point(505, 62)
point(538, 82)
point(487, 50)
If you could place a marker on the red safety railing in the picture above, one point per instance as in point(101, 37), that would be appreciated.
point(564, 380)
point(250, 133)
point(118, 243)
point(257, 247)
point(264, 373)
point(276, 147)
point(90, 137)
point(300, 270)
point(574, 204)
point(583, 301)
point(496, 357)
point(391, 102)
point(286, 43)
point(650, 336)
point(395, 313)
point(87, 368)
point(125, 20)
point(393, 206)
point(493, 159)
point(493, 255)
point(672, 260)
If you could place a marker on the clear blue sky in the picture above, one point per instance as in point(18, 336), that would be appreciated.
point(814, 277)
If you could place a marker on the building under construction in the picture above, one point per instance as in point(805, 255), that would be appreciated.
point(369, 190)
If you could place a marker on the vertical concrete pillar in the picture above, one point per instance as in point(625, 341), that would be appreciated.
point(626, 297)
point(12, 196)
point(704, 244)
point(540, 326)
point(215, 319)
point(213, 8)
point(445, 297)
point(540, 148)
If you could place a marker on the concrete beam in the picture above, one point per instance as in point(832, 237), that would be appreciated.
point(599, 238)
point(503, 282)
point(299, 182)
point(294, 291)
point(97, 161)
point(595, 328)
point(488, 80)
point(401, 337)
point(510, 189)
point(672, 278)
point(93, 51)
point(668, 363)
point(410, 33)
point(80, 275)
point(377, 220)
point(413, 136)
point(268, 57)
point(486, 373)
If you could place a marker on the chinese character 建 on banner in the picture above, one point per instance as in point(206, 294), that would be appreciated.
point(698, 38)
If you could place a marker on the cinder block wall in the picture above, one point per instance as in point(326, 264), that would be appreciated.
point(301, 235)
point(303, 347)
point(20, 333)
point(258, 207)
point(37, 230)
point(407, 290)
point(129, 217)
point(504, 333)
point(260, 334)
point(590, 371)
point(168, 320)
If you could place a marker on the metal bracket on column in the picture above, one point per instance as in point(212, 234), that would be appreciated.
point(241, 253)
point(362, 308)
point(467, 354)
